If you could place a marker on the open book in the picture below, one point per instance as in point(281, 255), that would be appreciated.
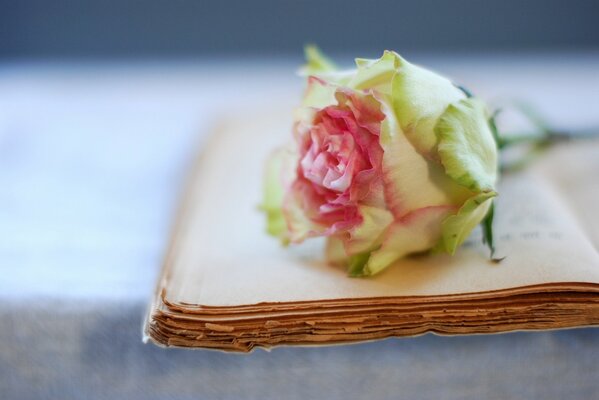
point(227, 285)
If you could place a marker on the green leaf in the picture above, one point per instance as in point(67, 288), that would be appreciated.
point(466, 145)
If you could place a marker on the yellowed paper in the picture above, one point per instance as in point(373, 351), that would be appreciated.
point(223, 267)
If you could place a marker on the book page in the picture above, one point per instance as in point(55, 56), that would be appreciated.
point(221, 255)
point(573, 169)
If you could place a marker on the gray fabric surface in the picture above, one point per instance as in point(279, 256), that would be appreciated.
point(92, 159)
point(101, 357)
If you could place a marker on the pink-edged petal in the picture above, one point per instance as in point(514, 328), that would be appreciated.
point(416, 232)
point(342, 182)
point(339, 169)
point(319, 94)
point(337, 112)
point(315, 169)
point(298, 205)
point(367, 190)
point(367, 112)
point(368, 234)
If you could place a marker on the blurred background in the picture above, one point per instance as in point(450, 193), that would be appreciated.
point(103, 105)
point(130, 29)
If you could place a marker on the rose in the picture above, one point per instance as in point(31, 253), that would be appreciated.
point(389, 159)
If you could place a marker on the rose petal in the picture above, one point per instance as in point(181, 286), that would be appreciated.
point(417, 231)
point(368, 234)
point(411, 181)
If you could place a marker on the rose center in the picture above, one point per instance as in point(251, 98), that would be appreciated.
point(332, 157)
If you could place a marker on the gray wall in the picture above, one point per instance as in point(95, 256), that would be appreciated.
point(155, 28)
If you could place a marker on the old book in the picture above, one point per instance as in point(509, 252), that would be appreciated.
point(227, 285)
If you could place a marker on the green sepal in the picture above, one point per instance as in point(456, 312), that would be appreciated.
point(493, 126)
point(456, 228)
point(316, 61)
point(357, 264)
point(487, 226)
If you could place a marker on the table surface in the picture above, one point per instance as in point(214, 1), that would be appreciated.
point(92, 160)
